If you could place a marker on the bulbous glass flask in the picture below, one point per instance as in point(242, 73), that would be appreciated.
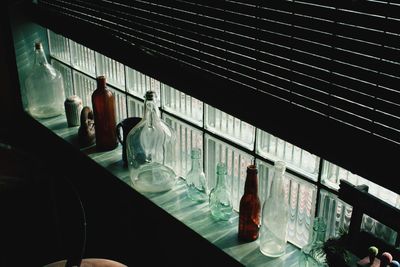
point(150, 147)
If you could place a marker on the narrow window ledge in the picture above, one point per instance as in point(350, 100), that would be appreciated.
point(196, 216)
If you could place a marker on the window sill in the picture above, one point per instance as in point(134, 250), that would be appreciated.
point(176, 203)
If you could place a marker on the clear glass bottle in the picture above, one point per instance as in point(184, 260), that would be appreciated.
point(220, 197)
point(44, 87)
point(196, 179)
point(275, 216)
point(150, 147)
point(250, 207)
point(313, 254)
point(103, 101)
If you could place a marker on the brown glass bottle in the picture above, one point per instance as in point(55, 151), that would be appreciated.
point(250, 207)
point(103, 102)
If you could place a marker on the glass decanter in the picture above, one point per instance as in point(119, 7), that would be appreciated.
point(44, 87)
point(220, 197)
point(275, 216)
point(150, 149)
point(196, 179)
point(313, 254)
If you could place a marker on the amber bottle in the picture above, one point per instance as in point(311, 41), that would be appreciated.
point(250, 207)
point(103, 102)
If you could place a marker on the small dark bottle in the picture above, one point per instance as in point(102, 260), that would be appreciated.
point(103, 102)
point(250, 207)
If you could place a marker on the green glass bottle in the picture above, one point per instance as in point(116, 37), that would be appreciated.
point(196, 179)
point(313, 254)
point(220, 198)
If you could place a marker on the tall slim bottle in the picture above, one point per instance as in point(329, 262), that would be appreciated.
point(44, 87)
point(275, 216)
point(220, 197)
point(103, 102)
point(250, 207)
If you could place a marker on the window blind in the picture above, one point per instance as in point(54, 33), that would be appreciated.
point(323, 75)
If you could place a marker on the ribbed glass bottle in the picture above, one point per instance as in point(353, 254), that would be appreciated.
point(220, 198)
point(150, 147)
point(44, 87)
point(275, 216)
point(196, 179)
point(103, 102)
point(250, 207)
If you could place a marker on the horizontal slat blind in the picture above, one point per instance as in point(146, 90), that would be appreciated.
point(338, 59)
point(333, 65)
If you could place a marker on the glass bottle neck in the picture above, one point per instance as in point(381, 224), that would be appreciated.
point(40, 57)
point(196, 164)
point(319, 230)
point(151, 112)
point(221, 180)
point(251, 184)
point(101, 83)
point(277, 183)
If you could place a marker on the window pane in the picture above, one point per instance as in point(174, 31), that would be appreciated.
point(182, 104)
point(113, 70)
point(84, 87)
point(229, 127)
point(59, 47)
point(378, 229)
point(274, 148)
point(332, 174)
point(82, 58)
point(137, 84)
point(135, 107)
point(337, 213)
